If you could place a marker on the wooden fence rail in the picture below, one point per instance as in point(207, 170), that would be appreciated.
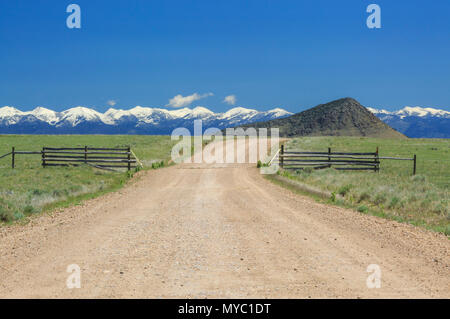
point(343, 160)
point(104, 158)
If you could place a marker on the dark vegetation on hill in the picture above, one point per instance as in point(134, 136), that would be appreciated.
point(343, 117)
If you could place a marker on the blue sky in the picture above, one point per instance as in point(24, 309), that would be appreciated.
point(289, 54)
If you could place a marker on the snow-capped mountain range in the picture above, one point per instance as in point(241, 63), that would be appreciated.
point(411, 121)
point(138, 120)
point(413, 111)
point(417, 121)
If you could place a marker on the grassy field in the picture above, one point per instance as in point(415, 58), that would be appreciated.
point(29, 189)
point(393, 192)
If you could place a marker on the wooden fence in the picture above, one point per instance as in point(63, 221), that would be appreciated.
point(338, 160)
point(13, 154)
point(97, 157)
point(103, 158)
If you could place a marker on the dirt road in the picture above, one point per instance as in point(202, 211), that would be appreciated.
point(199, 230)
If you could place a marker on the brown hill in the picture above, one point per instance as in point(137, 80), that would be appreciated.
point(343, 117)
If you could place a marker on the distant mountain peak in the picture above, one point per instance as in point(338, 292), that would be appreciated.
point(45, 115)
point(9, 110)
point(345, 99)
point(40, 109)
point(421, 111)
point(375, 111)
point(238, 110)
point(277, 109)
point(202, 109)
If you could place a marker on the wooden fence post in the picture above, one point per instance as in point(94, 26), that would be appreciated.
point(43, 157)
point(329, 158)
point(13, 155)
point(129, 158)
point(377, 160)
point(414, 167)
point(85, 154)
point(281, 157)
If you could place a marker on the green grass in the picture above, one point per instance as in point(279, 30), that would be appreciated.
point(29, 189)
point(393, 192)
